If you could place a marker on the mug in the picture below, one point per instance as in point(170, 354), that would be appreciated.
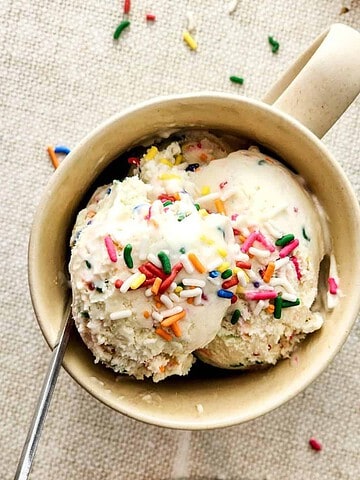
point(290, 121)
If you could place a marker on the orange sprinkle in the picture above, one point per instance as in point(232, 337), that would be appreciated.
point(146, 314)
point(161, 332)
point(196, 262)
point(174, 318)
point(156, 285)
point(242, 238)
point(270, 269)
point(270, 309)
point(177, 196)
point(154, 222)
point(176, 329)
point(53, 157)
point(220, 207)
point(158, 304)
point(190, 300)
point(203, 157)
point(162, 368)
point(91, 214)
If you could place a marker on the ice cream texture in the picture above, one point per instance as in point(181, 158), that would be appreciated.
point(201, 251)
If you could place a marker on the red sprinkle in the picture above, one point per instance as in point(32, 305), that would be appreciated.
point(295, 261)
point(236, 231)
point(333, 286)
point(118, 283)
point(148, 282)
point(150, 17)
point(168, 281)
point(244, 265)
point(315, 444)
point(157, 272)
point(222, 184)
point(91, 286)
point(164, 197)
point(233, 299)
point(127, 6)
point(134, 161)
point(146, 271)
point(230, 283)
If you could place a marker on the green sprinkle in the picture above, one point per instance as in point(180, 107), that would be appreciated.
point(274, 44)
point(235, 79)
point(99, 289)
point(124, 24)
point(181, 217)
point(127, 256)
point(261, 162)
point(197, 206)
point(182, 250)
point(235, 317)
point(85, 314)
point(88, 264)
point(278, 306)
point(165, 262)
point(281, 242)
point(167, 203)
point(227, 273)
point(287, 303)
point(305, 235)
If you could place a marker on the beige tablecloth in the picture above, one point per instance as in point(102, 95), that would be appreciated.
point(61, 74)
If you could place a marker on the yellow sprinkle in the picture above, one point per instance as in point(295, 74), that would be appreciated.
point(205, 190)
point(206, 239)
point(221, 251)
point(240, 289)
point(168, 176)
point(203, 212)
point(151, 152)
point(167, 162)
point(224, 266)
point(235, 270)
point(178, 289)
point(189, 40)
point(156, 285)
point(138, 281)
point(178, 159)
point(220, 207)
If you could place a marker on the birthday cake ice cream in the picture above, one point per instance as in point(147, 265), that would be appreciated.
point(199, 252)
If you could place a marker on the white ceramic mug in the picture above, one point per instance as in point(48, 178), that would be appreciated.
point(297, 111)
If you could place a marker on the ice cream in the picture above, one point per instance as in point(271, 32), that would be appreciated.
point(200, 251)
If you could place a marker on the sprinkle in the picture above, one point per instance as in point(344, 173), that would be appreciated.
point(242, 277)
point(284, 240)
point(157, 316)
point(260, 295)
point(169, 280)
point(274, 44)
point(190, 21)
point(138, 281)
point(193, 282)
point(173, 318)
point(151, 153)
point(129, 281)
point(110, 247)
point(235, 317)
point(175, 327)
point(289, 248)
point(227, 273)
point(278, 307)
point(296, 266)
point(256, 284)
point(259, 306)
point(148, 292)
point(62, 149)
point(154, 260)
point(230, 283)
point(156, 285)
point(235, 79)
point(124, 24)
point(172, 311)
point(315, 444)
point(150, 17)
point(214, 274)
point(224, 293)
point(190, 300)
point(192, 167)
point(220, 207)
point(232, 5)
point(162, 333)
point(268, 245)
point(53, 157)
point(282, 282)
point(191, 42)
point(257, 252)
point(88, 264)
point(291, 297)
point(287, 303)
point(127, 256)
point(166, 301)
point(244, 265)
point(233, 299)
point(205, 190)
point(249, 241)
point(165, 262)
point(272, 230)
point(270, 309)
point(223, 266)
point(193, 292)
point(127, 6)
point(118, 283)
point(91, 286)
point(133, 161)
point(305, 234)
point(269, 272)
point(206, 240)
point(281, 262)
point(333, 286)
point(196, 262)
point(120, 314)
point(146, 314)
point(165, 161)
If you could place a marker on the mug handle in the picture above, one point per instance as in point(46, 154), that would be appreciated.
point(323, 81)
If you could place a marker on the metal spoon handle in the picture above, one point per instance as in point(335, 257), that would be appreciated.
point(33, 436)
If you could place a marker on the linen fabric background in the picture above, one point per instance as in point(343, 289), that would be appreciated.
point(61, 75)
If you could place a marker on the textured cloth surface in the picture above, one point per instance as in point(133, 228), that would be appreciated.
point(61, 74)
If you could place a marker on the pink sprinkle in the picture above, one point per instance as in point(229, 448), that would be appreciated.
point(264, 241)
point(234, 216)
point(288, 248)
point(150, 17)
point(297, 267)
point(222, 184)
point(110, 247)
point(260, 295)
point(333, 286)
point(315, 444)
point(249, 241)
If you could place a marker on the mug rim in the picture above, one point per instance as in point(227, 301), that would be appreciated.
point(60, 174)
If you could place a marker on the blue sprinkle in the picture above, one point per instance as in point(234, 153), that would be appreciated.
point(108, 191)
point(192, 167)
point(89, 222)
point(256, 284)
point(62, 149)
point(214, 274)
point(224, 293)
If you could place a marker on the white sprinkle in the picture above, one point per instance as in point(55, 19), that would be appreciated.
point(242, 257)
point(193, 292)
point(188, 266)
point(258, 252)
point(252, 275)
point(214, 264)
point(216, 281)
point(175, 298)
point(198, 300)
point(126, 285)
point(245, 231)
point(191, 25)
point(259, 306)
point(199, 408)
point(157, 207)
point(148, 292)
point(172, 287)
point(171, 311)
point(120, 314)
point(274, 232)
point(290, 297)
point(143, 249)
point(157, 316)
point(227, 193)
point(282, 282)
point(232, 6)
point(193, 282)
point(154, 259)
point(333, 269)
point(166, 301)
point(332, 300)
point(241, 275)
point(281, 262)
point(210, 197)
